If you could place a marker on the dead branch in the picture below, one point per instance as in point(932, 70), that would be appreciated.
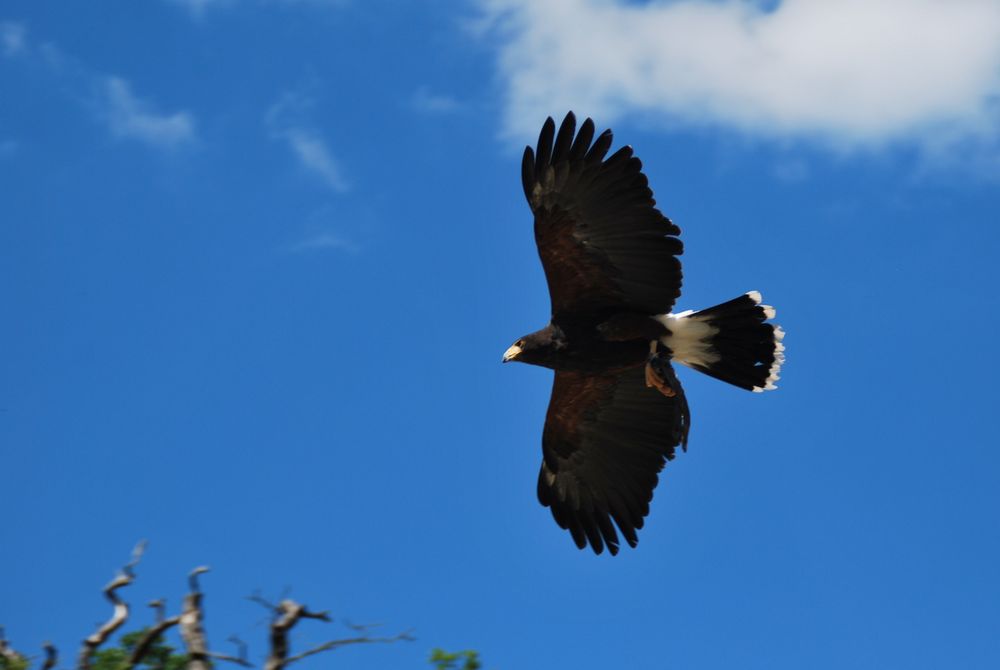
point(362, 627)
point(334, 644)
point(286, 615)
point(256, 597)
point(241, 653)
point(192, 626)
point(191, 622)
point(120, 614)
point(241, 646)
point(160, 605)
point(232, 659)
point(51, 656)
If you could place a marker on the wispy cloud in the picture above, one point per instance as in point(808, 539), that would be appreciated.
point(287, 121)
point(424, 100)
point(12, 37)
point(313, 153)
point(853, 73)
point(336, 227)
point(109, 98)
point(132, 118)
point(324, 241)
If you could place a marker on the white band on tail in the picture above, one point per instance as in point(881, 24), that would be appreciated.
point(690, 338)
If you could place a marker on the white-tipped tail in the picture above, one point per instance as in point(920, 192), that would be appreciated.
point(730, 342)
point(779, 360)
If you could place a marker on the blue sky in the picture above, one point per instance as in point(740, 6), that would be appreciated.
point(259, 260)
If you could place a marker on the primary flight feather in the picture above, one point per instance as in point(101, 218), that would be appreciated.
point(617, 411)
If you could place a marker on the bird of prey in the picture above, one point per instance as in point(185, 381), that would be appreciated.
point(617, 411)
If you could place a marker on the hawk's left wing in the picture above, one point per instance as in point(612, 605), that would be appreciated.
point(606, 438)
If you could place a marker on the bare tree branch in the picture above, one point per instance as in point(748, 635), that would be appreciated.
point(137, 551)
point(51, 655)
point(120, 614)
point(193, 577)
point(287, 614)
point(232, 659)
point(334, 644)
point(241, 651)
point(361, 627)
point(192, 626)
point(241, 646)
point(256, 597)
point(160, 605)
point(193, 630)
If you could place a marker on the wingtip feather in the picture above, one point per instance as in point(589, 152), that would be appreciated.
point(528, 172)
point(544, 152)
point(583, 139)
point(600, 148)
point(564, 139)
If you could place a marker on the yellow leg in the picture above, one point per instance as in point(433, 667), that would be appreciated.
point(654, 380)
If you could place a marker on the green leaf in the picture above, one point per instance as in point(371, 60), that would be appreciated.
point(444, 660)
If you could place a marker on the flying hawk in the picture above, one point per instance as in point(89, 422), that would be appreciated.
point(617, 410)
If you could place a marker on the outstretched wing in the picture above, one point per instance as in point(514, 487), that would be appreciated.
point(604, 245)
point(606, 438)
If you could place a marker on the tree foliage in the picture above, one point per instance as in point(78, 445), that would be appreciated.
point(449, 660)
point(160, 655)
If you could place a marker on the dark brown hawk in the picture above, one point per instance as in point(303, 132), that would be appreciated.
point(618, 411)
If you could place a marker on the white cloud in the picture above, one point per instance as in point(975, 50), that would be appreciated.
point(287, 121)
point(129, 117)
point(12, 37)
point(313, 153)
point(851, 72)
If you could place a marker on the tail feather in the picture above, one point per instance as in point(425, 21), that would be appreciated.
point(731, 342)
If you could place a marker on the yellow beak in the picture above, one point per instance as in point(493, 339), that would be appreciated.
point(511, 354)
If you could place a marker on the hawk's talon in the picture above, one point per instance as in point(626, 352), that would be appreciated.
point(653, 378)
